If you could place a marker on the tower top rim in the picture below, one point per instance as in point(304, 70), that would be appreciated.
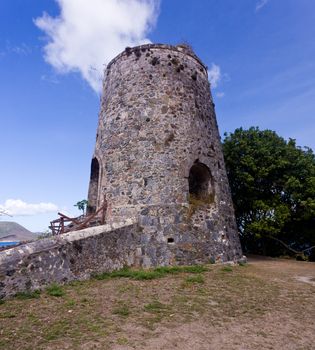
point(182, 48)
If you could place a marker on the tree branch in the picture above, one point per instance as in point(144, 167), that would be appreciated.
point(289, 248)
point(285, 245)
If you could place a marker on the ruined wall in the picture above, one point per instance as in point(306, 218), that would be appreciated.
point(72, 256)
point(77, 255)
point(157, 121)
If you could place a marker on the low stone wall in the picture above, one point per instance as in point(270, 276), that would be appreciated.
point(72, 256)
point(161, 235)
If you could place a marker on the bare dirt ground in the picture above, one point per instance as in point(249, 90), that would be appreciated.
point(267, 304)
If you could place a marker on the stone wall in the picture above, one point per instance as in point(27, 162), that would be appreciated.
point(156, 120)
point(159, 236)
point(171, 236)
point(72, 256)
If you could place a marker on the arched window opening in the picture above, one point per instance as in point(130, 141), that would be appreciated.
point(95, 169)
point(93, 188)
point(201, 182)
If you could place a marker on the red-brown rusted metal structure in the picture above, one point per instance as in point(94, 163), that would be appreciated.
point(66, 224)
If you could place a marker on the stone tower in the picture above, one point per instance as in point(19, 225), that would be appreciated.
point(158, 157)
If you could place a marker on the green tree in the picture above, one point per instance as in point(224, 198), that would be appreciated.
point(82, 205)
point(273, 189)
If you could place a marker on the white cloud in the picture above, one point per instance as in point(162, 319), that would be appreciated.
point(20, 208)
point(88, 34)
point(220, 94)
point(51, 78)
point(260, 4)
point(214, 75)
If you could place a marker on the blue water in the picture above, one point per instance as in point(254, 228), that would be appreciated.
point(5, 244)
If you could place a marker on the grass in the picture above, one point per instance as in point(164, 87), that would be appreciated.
point(122, 341)
point(71, 303)
point(123, 307)
point(195, 279)
point(55, 290)
point(128, 273)
point(179, 269)
point(155, 307)
point(227, 269)
point(151, 274)
point(28, 295)
point(7, 315)
point(57, 329)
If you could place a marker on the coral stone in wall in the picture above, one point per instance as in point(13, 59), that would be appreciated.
point(158, 157)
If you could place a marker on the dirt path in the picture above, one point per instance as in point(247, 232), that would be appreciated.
point(290, 324)
point(267, 304)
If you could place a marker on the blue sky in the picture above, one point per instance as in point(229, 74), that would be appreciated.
point(260, 53)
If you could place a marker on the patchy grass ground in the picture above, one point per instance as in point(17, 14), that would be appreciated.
point(267, 304)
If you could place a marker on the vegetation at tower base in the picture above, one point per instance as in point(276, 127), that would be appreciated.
point(273, 189)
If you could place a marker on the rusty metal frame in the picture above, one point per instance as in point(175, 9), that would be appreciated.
point(66, 224)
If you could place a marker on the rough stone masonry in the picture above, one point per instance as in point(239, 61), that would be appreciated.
point(158, 161)
point(158, 157)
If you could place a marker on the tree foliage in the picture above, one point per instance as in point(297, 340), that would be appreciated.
point(82, 205)
point(273, 189)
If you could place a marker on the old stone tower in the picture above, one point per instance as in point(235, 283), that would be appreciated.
point(158, 161)
point(158, 157)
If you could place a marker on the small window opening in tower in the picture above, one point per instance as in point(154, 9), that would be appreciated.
point(201, 182)
point(94, 184)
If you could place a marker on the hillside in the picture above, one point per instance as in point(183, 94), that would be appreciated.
point(267, 304)
point(12, 231)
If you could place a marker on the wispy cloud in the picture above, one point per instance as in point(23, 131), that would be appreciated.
point(260, 4)
point(20, 50)
point(214, 75)
point(88, 34)
point(17, 207)
point(50, 78)
point(220, 94)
